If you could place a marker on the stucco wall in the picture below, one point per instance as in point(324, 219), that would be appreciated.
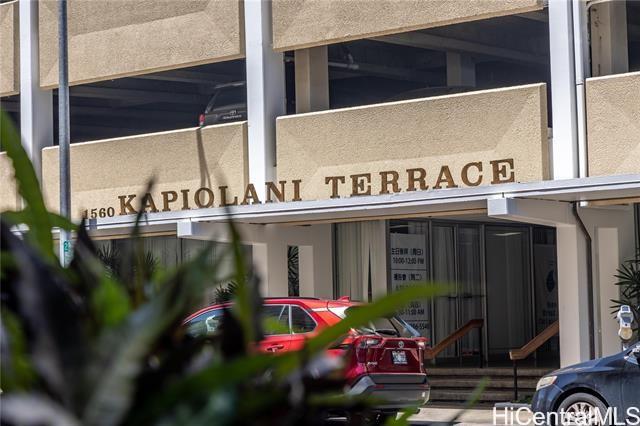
point(179, 160)
point(9, 49)
point(9, 199)
point(613, 124)
point(452, 130)
point(115, 38)
point(305, 23)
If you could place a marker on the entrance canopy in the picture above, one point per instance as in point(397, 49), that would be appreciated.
point(621, 189)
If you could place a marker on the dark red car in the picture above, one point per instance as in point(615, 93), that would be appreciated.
point(383, 359)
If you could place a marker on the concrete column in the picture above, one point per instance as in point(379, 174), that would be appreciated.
point(265, 92)
point(613, 234)
point(316, 270)
point(270, 261)
point(565, 153)
point(316, 261)
point(608, 254)
point(36, 105)
point(312, 79)
point(609, 49)
point(260, 256)
point(306, 270)
point(572, 295)
point(461, 70)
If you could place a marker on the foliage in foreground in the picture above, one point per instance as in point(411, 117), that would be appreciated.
point(80, 346)
point(629, 282)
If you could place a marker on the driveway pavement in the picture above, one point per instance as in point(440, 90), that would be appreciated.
point(435, 415)
point(442, 416)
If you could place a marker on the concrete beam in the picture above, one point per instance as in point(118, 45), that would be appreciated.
point(137, 96)
point(538, 212)
point(188, 77)
point(439, 43)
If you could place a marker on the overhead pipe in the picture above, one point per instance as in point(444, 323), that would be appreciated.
point(582, 70)
point(582, 66)
point(590, 298)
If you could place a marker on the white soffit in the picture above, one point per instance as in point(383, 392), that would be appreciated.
point(442, 202)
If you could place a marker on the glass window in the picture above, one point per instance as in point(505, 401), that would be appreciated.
point(275, 319)
point(470, 292)
point(301, 321)
point(508, 289)
point(444, 271)
point(358, 257)
point(205, 324)
point(409, 263)
point(391, 326)
point(545, 284)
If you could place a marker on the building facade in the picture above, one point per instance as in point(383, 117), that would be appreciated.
point(493, 145)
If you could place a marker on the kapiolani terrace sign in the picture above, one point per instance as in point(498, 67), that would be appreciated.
point(415, 179)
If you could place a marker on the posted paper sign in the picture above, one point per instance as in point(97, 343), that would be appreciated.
point(409, 266)
point(408, 252)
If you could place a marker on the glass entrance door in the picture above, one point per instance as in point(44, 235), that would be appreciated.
point(504, 274)
point(509, 299)
point(445, 307)
point(470, 288)
point(457, 260)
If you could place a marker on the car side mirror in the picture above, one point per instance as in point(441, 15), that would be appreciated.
point(636, 351)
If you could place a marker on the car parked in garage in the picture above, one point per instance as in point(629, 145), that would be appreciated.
point(610, 386)
point(227, 104)
point(383, 360)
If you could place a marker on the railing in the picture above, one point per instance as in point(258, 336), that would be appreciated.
point(530, 347)
point(431, 353)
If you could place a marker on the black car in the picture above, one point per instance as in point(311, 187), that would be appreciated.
point(610, 385)
point(227, 104)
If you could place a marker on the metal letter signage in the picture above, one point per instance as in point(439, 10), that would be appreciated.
point(474, 173)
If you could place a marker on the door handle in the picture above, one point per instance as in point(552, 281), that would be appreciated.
point(275, 348)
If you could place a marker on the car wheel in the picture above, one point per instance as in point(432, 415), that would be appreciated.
point(583, 408)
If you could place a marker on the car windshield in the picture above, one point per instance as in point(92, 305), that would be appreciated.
point(391, 326)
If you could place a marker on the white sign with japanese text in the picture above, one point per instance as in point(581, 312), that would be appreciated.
point(409, 266)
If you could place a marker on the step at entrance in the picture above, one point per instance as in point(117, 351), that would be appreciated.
point(455, 385)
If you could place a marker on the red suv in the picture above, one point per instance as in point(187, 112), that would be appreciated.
point(383, 359)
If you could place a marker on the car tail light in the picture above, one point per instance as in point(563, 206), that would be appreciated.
point(201, 120)
point(368, 342)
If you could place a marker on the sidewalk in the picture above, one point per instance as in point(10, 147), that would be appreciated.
point(435, 415)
